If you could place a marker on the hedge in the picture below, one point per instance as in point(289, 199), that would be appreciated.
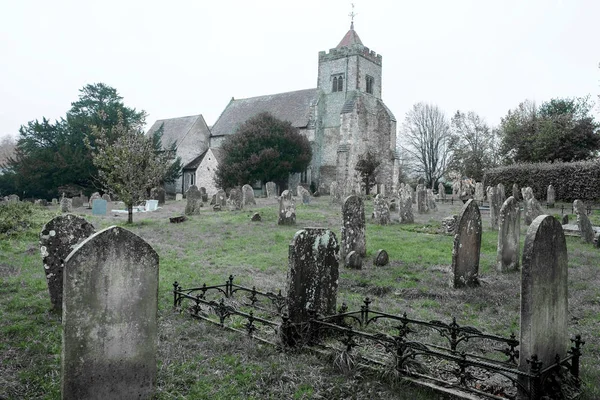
point(575, 180)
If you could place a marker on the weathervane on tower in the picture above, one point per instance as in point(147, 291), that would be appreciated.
point(352, 15)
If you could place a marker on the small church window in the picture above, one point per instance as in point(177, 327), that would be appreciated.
point(340, 84)
point(370, 81)
point(334, 87)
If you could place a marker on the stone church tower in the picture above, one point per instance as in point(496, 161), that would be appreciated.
point(351, 118)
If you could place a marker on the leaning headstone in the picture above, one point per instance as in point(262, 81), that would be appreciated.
point(431, 200)
point(516, 192)
point(57, 239)
point(305, 194)
point(406, 213)
point(509, 233)
point(106, 197)
point(235, 200)
point(441, 191)
point(193, 201)
point(77, 202)
point(248, 195)
point(353, 228)
point(271, 188)
point(479, 195)
point(381, 258)
point(203, 194)
point(544, 294)
point(110, 304)
point(312, 279)
point(421, 199)
point(467, 246)
point(66, 205)
point(287, 209)
point(550, 196)
point(500, 192)
point(99, 207)
point(178, 197)
point(583, 222)
point(492, 195)
point(381, 210)
point(534, 209)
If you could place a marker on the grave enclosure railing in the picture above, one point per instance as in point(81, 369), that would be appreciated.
point(456, 359)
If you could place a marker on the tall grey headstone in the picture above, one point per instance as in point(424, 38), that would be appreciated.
point(550, 196)
point(533, 210)
point(248, 195)
point(509, 233)
point(479, 195)
point(467, 246)
point(193, 199)
point(381, 210)
point(501, 193)
point(583, 222)
point(353, 227)
point(441, 191)
point(271, 188)
point(421, 199)
point(287, 209)
point(335, 195)
point(66, 205)
point(431, 205)
point(405, 205)
point(313, 273)
point(236, 199)
point(305, 194)
point(99, 207)
point(492, 195)
point(544, 294)
point(516, 192)
point(203, 194)
point(110, 304)
point(221, 198)
point(57, 239)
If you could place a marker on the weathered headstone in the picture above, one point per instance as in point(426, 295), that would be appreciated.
point(248, 195)
point(441, 191)
point(467, 246)
point(221, 198)
point(203, 194)
point(13, 198)
point(287, 209)
point(151, 205)
point(54, 201)
point(335, 195)
point(449, 223)
point(509, 233)
point(66, 205)
point(500, 192)
point(353, 260)
point(77, 202)
point(193, 201)
point(84, 199)
point(256, 217)
point(271, 188)
point(381, 258)
point(406, 213)
point(583, 222)
point(479, 195)
point(421, 199)
point(93, 197)
point(158, 194)
point(534, 209)
point(99, 207)
point(516, 192)
point(431, 200)
point(178, 197)
point(492, 195)
point(110, 304)
point(381, 210)
point(353, 227)
point(544, 293)
point(305, 195)
point(235, 200)
point(57, 239)
point(106, 197)
point(550, 196)
point(313, 274)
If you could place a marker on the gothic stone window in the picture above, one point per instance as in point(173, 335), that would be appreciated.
point(370, 82)
point(337, 83)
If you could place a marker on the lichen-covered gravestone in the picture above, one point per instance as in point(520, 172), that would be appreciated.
point(353, 228)
point(509, 233)
point(492, 195)
point(110, 306)
point(405, 208)
point(467, 246)
point(381, 258)
point(106, 197)
point(305, 194)
point(500, 192)
point(381, 210)
point(534, 209)
point(313, 273)
point(221, 198)
point(77, 202)
point(248, 195)
point(203, 194)
point(93, 197)
point(193, 201)
point(550, 196)
point(431, 200)
point(583, 222)
point(516, 191)
point(421, 199)
point(544, 294)
point(479, 195)
point(335, 195)
point(441, 191)
point(287, 209)
point(57, 239)
point(66, 205)
point(235, 200)
point(271, 189)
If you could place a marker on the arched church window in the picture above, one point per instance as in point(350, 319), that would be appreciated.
point(370, 82)
point(334, 87)
point(340, 84)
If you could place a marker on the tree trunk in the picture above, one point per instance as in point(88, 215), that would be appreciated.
point(130, 213)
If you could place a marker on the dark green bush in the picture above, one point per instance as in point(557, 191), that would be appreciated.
point(576, 180)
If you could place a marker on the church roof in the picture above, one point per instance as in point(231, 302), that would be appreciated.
point(289, 106)
point(175, 129)
point(195, 163)
point(350, 38)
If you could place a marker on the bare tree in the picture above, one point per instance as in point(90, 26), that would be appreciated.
point(426, 139)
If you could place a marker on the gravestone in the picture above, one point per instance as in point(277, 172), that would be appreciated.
point(431, 200)
point(565, 219)
point(544, 293)
point(41, 202)
point(248, 195)
point(492, 195)
point(534, 209)
point(550, 196)
point(449, 223)
point(57, 239)
point(583, 222)
point(479, 195)
point(235, 200)
point(66, 205)
point(203, 194)
point(500, 192)
point(93, 197)
point(151, 205)
point(421, 199)
point(312, 279)
point(271, 188)
point(158, 194)
point(393, 206)
point(467, 246)
point(381, 258)
point(287, 209)
point(509, 233)
point(516, 192)
point(99, 207)
point(54, 201)
point(84, 199)
point(405, 207)
point(413, 194)
point(334, 193)
point(381, 210)
point(221, 198)
point(13, 198)
point(178, 197)
point(441, 191)
point(353, 260)
point(110, 305)
point(305, 195)
point(353, 228)
point(256, 217)
point(77, 202)
point(193, 201)
point(106, 197)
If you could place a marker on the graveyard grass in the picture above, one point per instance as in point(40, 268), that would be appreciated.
point(201, 361)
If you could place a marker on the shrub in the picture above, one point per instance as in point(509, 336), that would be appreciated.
point(21, 216)
point(576, 180)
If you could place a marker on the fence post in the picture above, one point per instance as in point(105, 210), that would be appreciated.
point(576, 352)
point(535, 382)
point(175, 295)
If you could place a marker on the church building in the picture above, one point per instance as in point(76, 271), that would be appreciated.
point(343, 118)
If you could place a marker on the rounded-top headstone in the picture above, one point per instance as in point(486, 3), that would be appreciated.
point(381, 258)
point(58, 238)
point(467, 246)
point(256, 217)
point(509, 233)
point(353, 260)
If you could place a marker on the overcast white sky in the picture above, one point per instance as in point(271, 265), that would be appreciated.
point(181, 58)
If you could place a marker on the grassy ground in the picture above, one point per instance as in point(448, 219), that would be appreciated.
point(200, 361)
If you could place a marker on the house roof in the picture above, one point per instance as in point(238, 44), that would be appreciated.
point(175, 129)
point(289, 106)
point(195, 163)
point(350, 38)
